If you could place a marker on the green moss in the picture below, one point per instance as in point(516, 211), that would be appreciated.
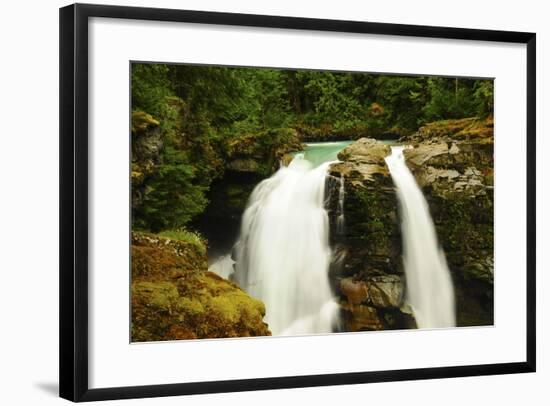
point(191, 306)
point(464, 224)
point(465, 230)
point(375, 209)
point(372, 235)
point(472, 128)
point(160, 295)
point(142, 121)
point(259, 152)
point(227, 307)
point(183, 235)
point(175, 297)
point(233, 305)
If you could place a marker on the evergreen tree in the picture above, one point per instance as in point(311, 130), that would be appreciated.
point(203, 110)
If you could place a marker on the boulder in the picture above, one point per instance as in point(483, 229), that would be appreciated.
point(260, 154)
point(452, 161)
point(358, 317)
point(366, 271)
point(379, 291)
point(371, 238)
point(366, 151)
point(174, 297)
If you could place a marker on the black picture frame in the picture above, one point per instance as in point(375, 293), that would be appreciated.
point(74, 195)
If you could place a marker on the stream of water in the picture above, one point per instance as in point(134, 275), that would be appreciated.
point(429, 286)
point(282, 255)
point(318, 153)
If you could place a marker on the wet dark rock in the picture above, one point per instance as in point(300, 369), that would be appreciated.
point(366, 269)
point(452, 162)
point(378, 291)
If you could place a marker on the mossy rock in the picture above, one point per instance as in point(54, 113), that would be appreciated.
point(454, 167)
point(260, 153)
point(452, 160)
point(476, 129)
point(174, 296)
point(142, 121)
point(367, 271)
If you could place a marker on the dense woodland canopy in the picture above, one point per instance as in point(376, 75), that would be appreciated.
point(205, 114)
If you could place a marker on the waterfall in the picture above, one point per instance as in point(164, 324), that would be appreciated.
point(223, 266)
point(429, 285)
point(340, 219)
point(283, 253)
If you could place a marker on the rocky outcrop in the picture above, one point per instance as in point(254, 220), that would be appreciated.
point(367, 271)
point(465, 129)
point(249, 159)
point(147, 144)
point(452, 161)
point(259, 154)
point(174, 297)
point(378, 291)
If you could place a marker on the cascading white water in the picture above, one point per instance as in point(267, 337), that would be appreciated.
point(283, 252)
point(340, 220)
point(223, 266)
point(429, 286)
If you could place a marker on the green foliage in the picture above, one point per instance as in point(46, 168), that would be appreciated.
point(483, 96)
point(187, 236)
point(238, 100)
point(331, 100)
point(150, 88)
point(402, 98)
point(208, 114)
point(457, 98)
point(174, 199)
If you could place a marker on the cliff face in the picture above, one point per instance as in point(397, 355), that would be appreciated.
point(367, 271)
point(174, 297)
point(259, 154)
point(248, 160)
point(147, 144)
point(452, 162)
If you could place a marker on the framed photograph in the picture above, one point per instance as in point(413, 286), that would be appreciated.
point(257, 202)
